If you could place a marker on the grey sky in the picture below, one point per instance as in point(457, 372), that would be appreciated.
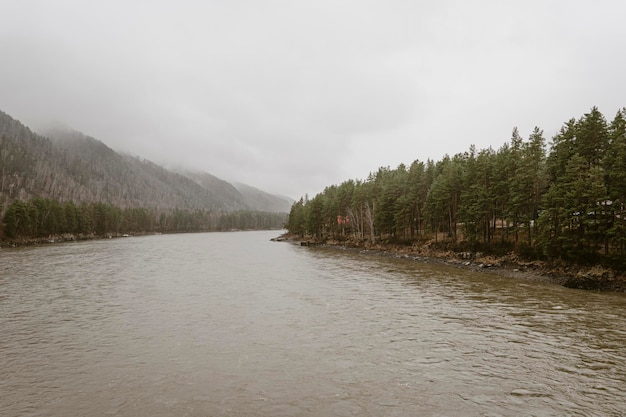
point(292, 96)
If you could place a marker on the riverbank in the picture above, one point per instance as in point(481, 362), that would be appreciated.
point(63, 238)
point(67, 237)
point(557, 272)
point(71, 237)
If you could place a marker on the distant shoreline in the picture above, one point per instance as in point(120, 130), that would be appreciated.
point(69, 237)
point(595, 278)
point(64, 238)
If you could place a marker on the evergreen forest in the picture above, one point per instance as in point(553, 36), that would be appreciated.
point(67, 183)
point(43, 218)
point(564, 200)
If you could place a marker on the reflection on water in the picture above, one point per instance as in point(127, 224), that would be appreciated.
point(232, 324)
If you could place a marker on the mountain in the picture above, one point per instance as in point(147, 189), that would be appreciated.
point(217, 185)
point(254, 197)
point(242, 193)
point(68, 165)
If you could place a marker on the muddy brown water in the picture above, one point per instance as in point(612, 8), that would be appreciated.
point(231, 324)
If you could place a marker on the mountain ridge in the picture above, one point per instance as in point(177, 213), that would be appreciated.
point(69, 165)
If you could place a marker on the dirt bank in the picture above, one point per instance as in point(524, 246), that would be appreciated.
point(596, 278)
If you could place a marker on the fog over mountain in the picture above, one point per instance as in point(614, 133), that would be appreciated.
point(292, 96)
point(68, 165)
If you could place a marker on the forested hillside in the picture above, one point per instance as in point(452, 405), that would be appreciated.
point(244, 195)
point(565, 202)
point(70, 166)
point(49, 181)
point(264, 201)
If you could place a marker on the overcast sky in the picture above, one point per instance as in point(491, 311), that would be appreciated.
point(292, 96)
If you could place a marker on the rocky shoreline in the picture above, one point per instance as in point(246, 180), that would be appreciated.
point(596, 278)
point(64, 238)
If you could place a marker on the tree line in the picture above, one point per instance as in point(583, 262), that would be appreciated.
point(40, 218)
point(568, 202)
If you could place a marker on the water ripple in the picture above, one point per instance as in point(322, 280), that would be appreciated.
point(232, 324)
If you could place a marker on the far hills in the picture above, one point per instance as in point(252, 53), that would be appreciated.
point(66, 165)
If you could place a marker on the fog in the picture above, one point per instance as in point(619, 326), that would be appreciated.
point(292, 96)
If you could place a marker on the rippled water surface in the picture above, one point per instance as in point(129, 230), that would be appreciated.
point(231, 324)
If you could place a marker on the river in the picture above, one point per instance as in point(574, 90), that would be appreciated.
point(231, 324)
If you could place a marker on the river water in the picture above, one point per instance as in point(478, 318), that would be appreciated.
point(231, 324)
